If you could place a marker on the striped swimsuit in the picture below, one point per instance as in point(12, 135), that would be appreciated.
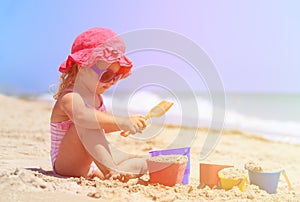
point(58, 131)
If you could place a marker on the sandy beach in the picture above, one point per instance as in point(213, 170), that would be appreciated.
point(26, 175)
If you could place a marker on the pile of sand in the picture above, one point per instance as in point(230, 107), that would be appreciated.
point(169, 158)
point(260, 167)
point(233, 173)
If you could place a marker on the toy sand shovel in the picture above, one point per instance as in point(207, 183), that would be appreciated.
point(287, 179)
point(157, 111)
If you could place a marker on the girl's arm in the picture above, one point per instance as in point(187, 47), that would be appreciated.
point(73, 105)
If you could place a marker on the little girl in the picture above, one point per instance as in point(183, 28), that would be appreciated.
point(79, 121)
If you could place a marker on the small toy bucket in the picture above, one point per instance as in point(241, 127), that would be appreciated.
point(267, 181)
point(180, 151)
point(228, 183)
point(166, 173)
point(209, 174)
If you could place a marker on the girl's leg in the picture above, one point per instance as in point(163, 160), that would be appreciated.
point(135, 167)
point(110, 158)
point(136, 164)
point(73, 159)
point(96, 145)
point(81, 146)
point(120, 156)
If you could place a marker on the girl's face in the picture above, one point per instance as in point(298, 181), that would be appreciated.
point(110, 74)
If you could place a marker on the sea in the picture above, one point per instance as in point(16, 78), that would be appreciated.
point(274, 116)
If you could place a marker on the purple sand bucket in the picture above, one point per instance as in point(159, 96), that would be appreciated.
point(181, 151)
point(267, 181)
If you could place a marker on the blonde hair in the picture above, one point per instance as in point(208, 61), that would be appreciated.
point(67, 80)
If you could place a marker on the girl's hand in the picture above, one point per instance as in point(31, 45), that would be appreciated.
point(134, 124)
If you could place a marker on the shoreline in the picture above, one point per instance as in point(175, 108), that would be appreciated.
point(274, 130)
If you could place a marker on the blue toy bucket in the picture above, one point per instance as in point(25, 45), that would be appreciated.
point(267, 181)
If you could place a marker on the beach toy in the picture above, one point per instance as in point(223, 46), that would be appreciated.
point(167, 173)
point(209, 174)
point(157, 111)
point(287, 179)
point(267, 181)
point(228, 182)
point(181, 151)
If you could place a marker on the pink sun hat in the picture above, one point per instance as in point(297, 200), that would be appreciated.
point(96, 44)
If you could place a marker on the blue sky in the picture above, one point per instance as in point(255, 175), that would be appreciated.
point(254, 44)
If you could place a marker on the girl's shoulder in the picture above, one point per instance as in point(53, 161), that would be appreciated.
point(64, 106)
point(58, 112)
point(67, 92)
point(68, 96)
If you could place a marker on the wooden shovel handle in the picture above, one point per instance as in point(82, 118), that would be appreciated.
point(287, 179)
